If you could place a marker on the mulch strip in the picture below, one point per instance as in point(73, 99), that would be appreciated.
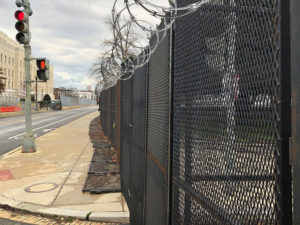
point(104, 172)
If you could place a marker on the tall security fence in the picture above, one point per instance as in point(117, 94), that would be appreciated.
point(9, 100)
point(74, 101)
point(204, 127)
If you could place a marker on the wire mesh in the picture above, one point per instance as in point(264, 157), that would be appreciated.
point(227, 149)
point(226, 114)
point(138, 149)
point(126, 138)
point(157, 134)
point(112, 122)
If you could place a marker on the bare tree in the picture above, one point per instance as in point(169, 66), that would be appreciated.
point(89, 88)
point(122, 45)
point(124, 37)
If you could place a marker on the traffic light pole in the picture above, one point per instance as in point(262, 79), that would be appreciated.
point(28, 139)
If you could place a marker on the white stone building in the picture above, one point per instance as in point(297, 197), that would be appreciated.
point(13, 68)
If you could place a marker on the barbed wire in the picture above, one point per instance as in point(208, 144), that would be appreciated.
point(132, 48)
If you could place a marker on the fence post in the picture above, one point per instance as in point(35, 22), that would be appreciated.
point(170, 129)
point(285, 114)
point(108, 113)
point(118, 118)
point(295, 80)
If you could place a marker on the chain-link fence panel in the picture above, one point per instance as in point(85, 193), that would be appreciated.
point(226, 136)
point(158, 134)
point(126, 137)
point(103, 110)
point(112, 122)
point(138, 149)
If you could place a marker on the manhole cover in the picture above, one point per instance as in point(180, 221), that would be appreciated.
point(6, 175)
point(41, 187)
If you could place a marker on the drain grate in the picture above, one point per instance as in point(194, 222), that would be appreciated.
point(6, 175)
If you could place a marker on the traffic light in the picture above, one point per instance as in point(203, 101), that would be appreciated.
point(43, 69)
point(23, 37)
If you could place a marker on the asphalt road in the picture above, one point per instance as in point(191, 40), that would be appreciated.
point(12, 128)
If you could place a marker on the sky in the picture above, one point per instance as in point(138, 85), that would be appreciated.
point(68, 32)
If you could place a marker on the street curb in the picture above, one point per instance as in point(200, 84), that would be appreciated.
point(111, 217)
point(5, 115)
point(11, 152)
point(75, 107)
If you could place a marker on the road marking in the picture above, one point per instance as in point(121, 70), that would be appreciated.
point(47, 130)
point(16, 136)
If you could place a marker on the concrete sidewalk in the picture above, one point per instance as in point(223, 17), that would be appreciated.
point(50, 181)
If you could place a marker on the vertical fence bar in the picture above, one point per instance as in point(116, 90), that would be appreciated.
point(145, 137)
point(107, 116)
point(295, 78)
point(170, 133)
point(118, 118)
point(285, 123)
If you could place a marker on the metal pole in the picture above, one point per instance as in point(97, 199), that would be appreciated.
point(285, 181)
point(28, 139)
point(170, 128)
point(295, 82)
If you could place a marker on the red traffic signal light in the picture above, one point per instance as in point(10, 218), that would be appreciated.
point(23, 37)
point(43, 69)
point(20, 15)
point(41, 64)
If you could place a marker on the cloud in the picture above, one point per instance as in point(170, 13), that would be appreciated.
point(89, 81)
point(67, 32)
point(63, 75)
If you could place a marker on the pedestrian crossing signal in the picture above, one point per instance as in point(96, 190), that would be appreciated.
point(43, 69)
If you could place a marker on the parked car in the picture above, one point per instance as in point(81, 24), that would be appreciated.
point(55, 105)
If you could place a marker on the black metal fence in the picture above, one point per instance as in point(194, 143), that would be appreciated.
point(205, 125)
